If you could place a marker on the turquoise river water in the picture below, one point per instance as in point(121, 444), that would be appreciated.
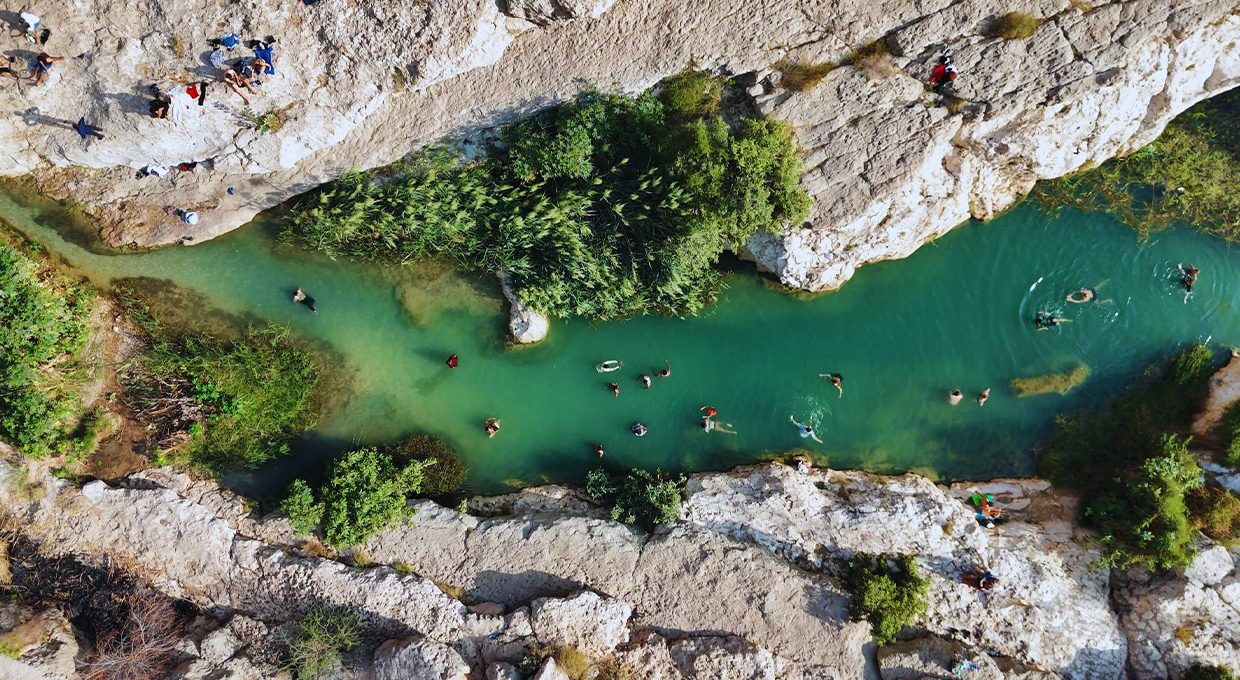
point(957, 314)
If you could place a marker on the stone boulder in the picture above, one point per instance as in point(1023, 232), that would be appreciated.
point(502, 671)
point(585, 620)
point(417, 657)
point(38, 645)
point(550, 671)
point(525, 325)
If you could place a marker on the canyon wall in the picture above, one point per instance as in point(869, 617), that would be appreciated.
point(361, 85)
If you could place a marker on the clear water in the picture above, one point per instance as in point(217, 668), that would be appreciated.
point(957, 314)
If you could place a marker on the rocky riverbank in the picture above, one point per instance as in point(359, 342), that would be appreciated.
point(745, 585)
point(890, 164)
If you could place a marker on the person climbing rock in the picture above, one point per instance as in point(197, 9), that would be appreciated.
point(836, 379)
point(615, 389)
point(42, 67)
point(609, 366)
point(638, 429)
point(1086, 295)
point(954, 397)
point(452, 361)
point(943, 74)
point(300, 297)
point(981, 398)
point(85, 130)
point(984, 581)
point(666, 372)
point(644, 380)
point(806, 430)
point(1188, 277)
point(597, 448)
point(803, 464)
point(491, 426)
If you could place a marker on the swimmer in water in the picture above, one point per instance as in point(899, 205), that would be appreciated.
point(710, 411)
point(609, 366)
point(452, 361)
point(954, 397)
point(615, 389)
point(639, 429)
point(667, 370)
point(597, 448)
point(836, 379)
point(1188, 276)
point(644, 380)
point(491, 426)
point(709, 426)
point(981, 398)
point(300, 296)
point(1046, 320)
point(1086, 295)
point(806, 430)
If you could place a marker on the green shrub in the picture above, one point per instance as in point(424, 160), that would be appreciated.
point(42, 332)
point(322, 634)
point(802, 76)
point(250, 396)
point(1189, 175)
point(1203, 672)
point(692, 92)
point(1014, 26)
point(1228, 431)
point(637, 496)
point(599, 484)
point(1216, 512)
point(365, 494)
point(603, 208)
point(1060, 383)
point(888, 596)
point(445, 475)
point(96, 424)
point(303, 511)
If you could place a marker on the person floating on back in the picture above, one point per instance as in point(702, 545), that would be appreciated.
point(836, 379)
point(1086, 295)
point(1188, 276)
point(644, 380)
point(85, 130)
point(666, 372)
point(451, 362)
point(638, 429)
point(300, 296)
point(709, 426)
point(491, 426)
point(981, 398)
point(806, 430)
point(609, 366)
point(954, 397)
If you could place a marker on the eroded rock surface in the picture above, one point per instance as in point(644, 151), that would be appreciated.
point(363, 85)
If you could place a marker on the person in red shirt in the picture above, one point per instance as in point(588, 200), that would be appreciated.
point(943, 74)
point(451, 362)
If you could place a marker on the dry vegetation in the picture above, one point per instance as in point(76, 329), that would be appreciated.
point(802, 76)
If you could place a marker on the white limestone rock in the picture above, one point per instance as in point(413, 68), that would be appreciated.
point(417, 657)
point(525, 325)
point(45, 644)
point(550, 671)
point(502, 671)
point(585, 620)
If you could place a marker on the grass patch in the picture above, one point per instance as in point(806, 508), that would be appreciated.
point(1131, 463)
point(1228, 431)
point(802, 76)
point(1189, 175)
point(444, 476)
point(321, 635)
point(272, 121)
point(870, 50)
point(888, 592)
point(455, 592)
point(361, 559)
point(692, 92)
point(1200, 671)
point(574, 663)
point(1014, 26)
point(1059, 383)
point(177, 46)
point(602, 207)
point(229, 404)
point(1216, 512)
point(1082, 5)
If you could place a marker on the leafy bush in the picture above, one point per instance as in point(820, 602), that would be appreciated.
point(692, 93)
point(599, 484)
point(248, 397)
point(638, 496)
point(1216, 512)
point(888, 597)
point(42, 330)
point(322, 634)
point(1228, 431)
point(802, 76)
point(1203, 672)
point(1014, 26)
point(445, 476)
point(301, 508)
point(602, 207)
point(1189, 175)
point(365, 494)
point(1132, 468)
point(1060, 383)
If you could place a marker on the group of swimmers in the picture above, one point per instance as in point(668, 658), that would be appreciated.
point(1046, 320)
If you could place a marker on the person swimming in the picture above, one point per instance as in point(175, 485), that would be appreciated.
point(452, 361)
point(300, 296)
point(644, 380)
point(639, 429)
point(710, 411)
point(491, 426)
point(1046, 320)
point(597, 448)
point(806, 430)
point(666, 372)
point(981, 398)
point(1188, 277)
point(836, 379)
point(1086, 295)
point(709, 426)
point(954, 397)
point(609, 366)
point(615, 389)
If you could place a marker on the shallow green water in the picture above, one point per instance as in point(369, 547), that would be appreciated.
point(957, 314)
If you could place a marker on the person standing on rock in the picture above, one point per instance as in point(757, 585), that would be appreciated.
point(85, 130)
point(806, 430)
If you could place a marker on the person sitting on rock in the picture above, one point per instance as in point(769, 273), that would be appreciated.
point(42, 67)
point(235, 82)
point(984, 582)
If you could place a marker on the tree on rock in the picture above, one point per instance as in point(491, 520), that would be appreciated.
point(888, 591)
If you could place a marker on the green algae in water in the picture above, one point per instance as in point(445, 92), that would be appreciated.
point(902, 333)
point(1051, 383)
